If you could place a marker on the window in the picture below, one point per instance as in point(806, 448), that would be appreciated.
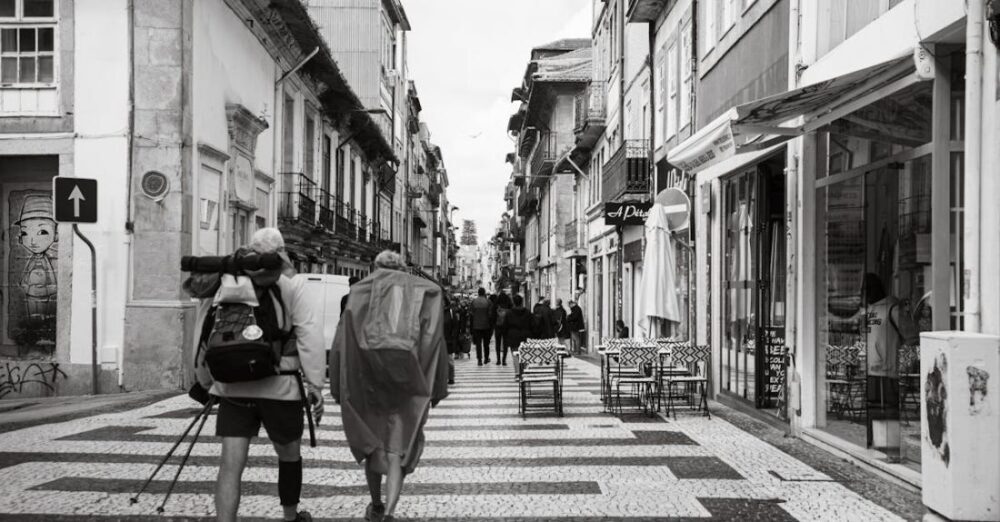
point(672, 94)
point(288, 135)
point(684, 111)
point(310, 146)
point(27, 43)
point(730, 12)
point(661, 95)
point(709, 29)
point(260, 217)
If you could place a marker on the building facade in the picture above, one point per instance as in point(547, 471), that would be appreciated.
point(210, 119)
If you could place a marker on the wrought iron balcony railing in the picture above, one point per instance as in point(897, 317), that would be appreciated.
point(628, 170)
point(298, 198)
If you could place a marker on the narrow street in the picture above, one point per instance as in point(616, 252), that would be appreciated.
point(482, 461)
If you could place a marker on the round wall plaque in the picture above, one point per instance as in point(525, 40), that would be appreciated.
point(155, 185)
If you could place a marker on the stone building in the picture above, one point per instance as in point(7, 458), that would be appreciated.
point(208, 119)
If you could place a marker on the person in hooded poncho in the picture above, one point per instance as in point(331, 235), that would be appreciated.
point(388, 366)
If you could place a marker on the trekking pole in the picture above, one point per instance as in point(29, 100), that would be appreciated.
point(180, 467)
point(204, 412)
point(308, 409)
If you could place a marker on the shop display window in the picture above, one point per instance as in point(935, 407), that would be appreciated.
point(873, 271)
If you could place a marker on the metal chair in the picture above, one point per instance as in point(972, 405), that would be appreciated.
point(636, 364)
point(697, 359)
point(539, 364)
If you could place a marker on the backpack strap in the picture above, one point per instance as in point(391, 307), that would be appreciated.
point(206, 331)
point(287, 329)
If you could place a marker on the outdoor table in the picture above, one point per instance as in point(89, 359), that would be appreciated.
point(606, 355)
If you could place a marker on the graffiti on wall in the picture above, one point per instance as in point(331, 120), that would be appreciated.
point(978, 381)
point(936, 400)
point(14, 377)
point(31, 270)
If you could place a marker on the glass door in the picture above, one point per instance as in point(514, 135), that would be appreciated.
point(739, 311)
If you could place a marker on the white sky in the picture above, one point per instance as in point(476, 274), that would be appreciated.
point(465, 57)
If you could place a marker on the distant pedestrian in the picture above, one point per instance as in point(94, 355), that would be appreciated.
point(388, 367)
point(559, 315)
point(518, 325)
point(481, 312)
point(451, 336)
point(284, 314)
point(503, 307)
point(575, 325)
point(343, 300)
point(543, 320)
point(621, 331)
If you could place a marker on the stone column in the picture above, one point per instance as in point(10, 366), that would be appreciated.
point(159, 316)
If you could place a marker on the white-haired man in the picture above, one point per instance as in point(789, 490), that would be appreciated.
point(276, 401)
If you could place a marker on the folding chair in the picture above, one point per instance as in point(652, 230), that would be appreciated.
point(539, 364)
point(697, 360)
point(636, 364)
point(612, 369)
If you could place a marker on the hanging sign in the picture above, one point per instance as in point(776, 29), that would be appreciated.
point(626, 213)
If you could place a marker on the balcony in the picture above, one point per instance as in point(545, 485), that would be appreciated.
point(298, 198)
point(434, 194)
point(527, 204)
point(645, 11)
point(327, 212)
point(551, 146)
point(627, 172)
point(345, 219)
point(591, 116)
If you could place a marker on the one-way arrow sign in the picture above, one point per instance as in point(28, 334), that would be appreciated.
point(75, 200)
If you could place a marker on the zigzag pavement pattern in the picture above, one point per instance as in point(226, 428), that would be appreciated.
point(482, 462)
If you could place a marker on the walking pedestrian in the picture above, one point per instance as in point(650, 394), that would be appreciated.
point(503, 307)
point(621, 331)
point(343, 300)
point(276, 401)
point(560, 316)
point(543, 320)
point(451, 336)
point(388, 367)
point(519, 325)
point(481, 326)
point(575, 325)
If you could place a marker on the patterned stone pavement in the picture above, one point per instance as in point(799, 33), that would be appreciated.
point(482, 462)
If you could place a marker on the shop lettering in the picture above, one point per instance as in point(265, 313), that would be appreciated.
point(626, 213)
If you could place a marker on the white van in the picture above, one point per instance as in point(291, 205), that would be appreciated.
point(325, 292)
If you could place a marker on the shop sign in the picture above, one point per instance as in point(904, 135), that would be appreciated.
point(626, 213)
point(774, 359)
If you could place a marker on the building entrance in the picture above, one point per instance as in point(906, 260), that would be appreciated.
point(752, 366)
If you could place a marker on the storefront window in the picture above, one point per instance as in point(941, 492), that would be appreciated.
point(874, 274)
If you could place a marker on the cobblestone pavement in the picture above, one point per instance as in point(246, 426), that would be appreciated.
point(482, 462)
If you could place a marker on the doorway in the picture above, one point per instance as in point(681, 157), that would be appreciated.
point(752, 365)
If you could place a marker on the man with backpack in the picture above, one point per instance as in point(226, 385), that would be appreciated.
point(388, 367)
point(258, 334)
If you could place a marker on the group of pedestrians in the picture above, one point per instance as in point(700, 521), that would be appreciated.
point(387, 367)
point(506, 321)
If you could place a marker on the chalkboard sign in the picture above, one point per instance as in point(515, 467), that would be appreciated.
point(773, 339)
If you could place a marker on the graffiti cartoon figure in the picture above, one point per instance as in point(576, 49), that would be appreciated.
point(38, 235)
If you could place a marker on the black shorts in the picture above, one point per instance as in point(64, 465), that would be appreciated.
point(242, 418)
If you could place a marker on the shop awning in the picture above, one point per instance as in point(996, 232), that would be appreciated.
point(770, 121)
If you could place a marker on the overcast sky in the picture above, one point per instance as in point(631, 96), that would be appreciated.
point(466, 56)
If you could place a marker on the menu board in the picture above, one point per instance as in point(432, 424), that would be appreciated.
point(773, 339)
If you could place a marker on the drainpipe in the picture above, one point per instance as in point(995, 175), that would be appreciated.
point(129, 226)
point(973, 160)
